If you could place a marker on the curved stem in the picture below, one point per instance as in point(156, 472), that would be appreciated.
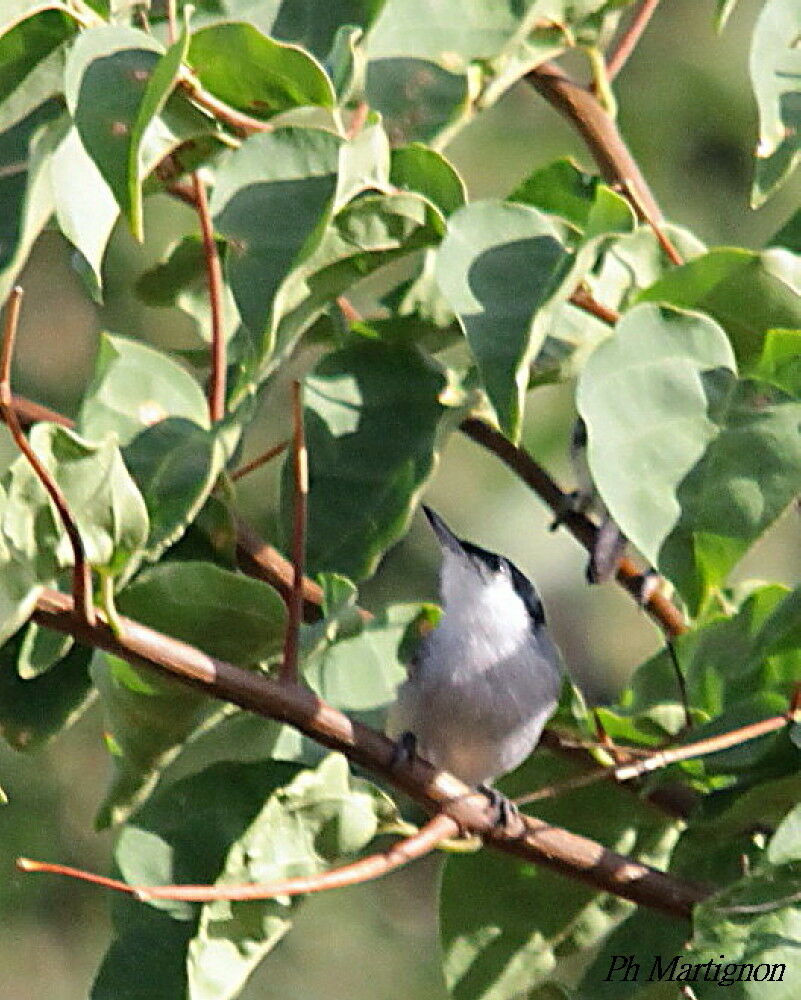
point(214, 281)
point(598, 130)
point(629, 39)
point(81, 571)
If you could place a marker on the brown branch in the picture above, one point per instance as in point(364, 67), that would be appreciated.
point(598, 130)
point(437, 829)
point(662, 758)
point(628, 40)
point(81, 571)
point(214, 281)
point(238, 121)
point(534, 840)
point(663, 611)
point(172, 21)
point(300, 476)
point(259, 461)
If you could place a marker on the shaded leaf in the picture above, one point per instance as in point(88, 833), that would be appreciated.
point(26, 198)
point(491, 247)
point(419, 168)
point(228, 615)
point(271, 201)
point(41, 648)
point(175, 463)
point(34, 711)
point(418, 99)
point(367, 468)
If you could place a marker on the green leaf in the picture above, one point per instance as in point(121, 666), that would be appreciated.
point(309, 24)
point(147, 717)
point(75, 173)
point(767, 939)
point(363, 163)
point(581, 199)
point(346, 64)
point(491, 247)
point(108, 74)
point(360, 672)
point(19, 581)
point(26, 198)
point(33, 711)
point(256, 74)
point(503, 922)
point(228, 615)
point(419, 100)
point(419, 168)
point(118, 93)
point(41, 649)
point(780, 361)
point(260, 823)
point(134, 387)
point(785, 844)
point(105, 503)
point(370, 232)
point(176, 464)
point(775, 65)
point(272, 201)
point(367, 469)
point(693, 463)
point(465, 29)
point(747, 293)
point(26, 44)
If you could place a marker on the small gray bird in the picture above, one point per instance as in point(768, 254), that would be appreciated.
point(487, 678)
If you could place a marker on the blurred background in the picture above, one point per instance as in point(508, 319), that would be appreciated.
point(687, 112)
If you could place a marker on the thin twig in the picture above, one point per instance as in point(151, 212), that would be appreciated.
point(47, 868)
point(662, 610)
point(531, 839)
point(682, 684)
point(300, 476)
point(81, 571)
point(214, 281)
point(662, 758)
point(642, 209)
point(437, 829)
point(224, 113)
point(598, 130)
point(583, 300)
point(259, 461)
point(627, 42)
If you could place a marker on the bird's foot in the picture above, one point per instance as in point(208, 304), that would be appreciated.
point(506, 812)
point(405, 750)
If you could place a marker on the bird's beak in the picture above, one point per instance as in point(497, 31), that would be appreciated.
point(445, 536)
